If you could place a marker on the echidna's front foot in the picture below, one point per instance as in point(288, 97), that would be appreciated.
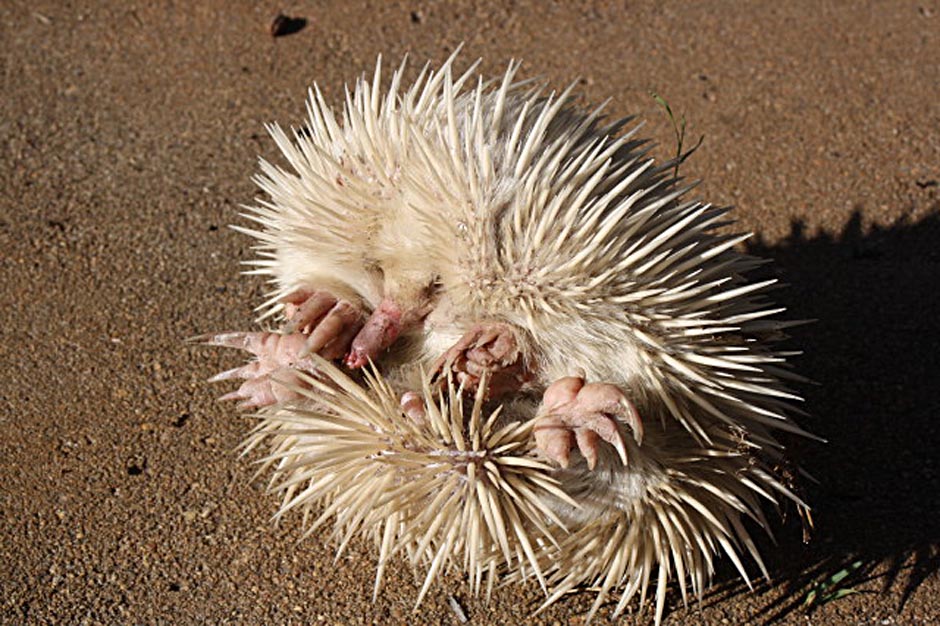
point(490, 347)
point(575, 413)
point(268, 378)
point(317, 322)
point(328, 323)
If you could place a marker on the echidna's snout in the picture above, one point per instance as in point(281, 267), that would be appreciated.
point(379, 332)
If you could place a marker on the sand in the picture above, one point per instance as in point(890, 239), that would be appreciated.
point(129, 135)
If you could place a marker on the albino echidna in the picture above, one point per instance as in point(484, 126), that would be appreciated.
point(492, 240)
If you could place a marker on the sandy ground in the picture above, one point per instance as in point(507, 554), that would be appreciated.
point(129, 135)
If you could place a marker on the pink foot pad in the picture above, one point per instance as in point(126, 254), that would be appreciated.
point(328, 323)
point(577, 414)
point(269, 376)
point(412, 405)
point(491, 348)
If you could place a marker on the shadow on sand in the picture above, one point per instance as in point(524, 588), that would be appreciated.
point(875, 353)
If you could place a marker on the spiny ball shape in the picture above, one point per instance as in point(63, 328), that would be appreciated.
point(455, 488)
point(525, 209)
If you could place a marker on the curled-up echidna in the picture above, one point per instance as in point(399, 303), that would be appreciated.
point(571, 377)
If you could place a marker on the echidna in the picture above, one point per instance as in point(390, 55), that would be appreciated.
point(493, 239)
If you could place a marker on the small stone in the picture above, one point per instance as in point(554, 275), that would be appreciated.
point(283, 25)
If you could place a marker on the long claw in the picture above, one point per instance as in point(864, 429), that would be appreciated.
point(588, 413)
point(232, 395)
point(619, 446)
point(554, 439)
point(333, 325)
point(309, 312)
point(273, 352)
point(587, 445)
point(606, 429)
point(252, 342)
point(632, 417)
point(610, 400)
point(253, 403)
point(250, 391)
point(236, 372)
point(226, 375)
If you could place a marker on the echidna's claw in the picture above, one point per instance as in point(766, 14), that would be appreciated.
point(631, 416)
point(284, 349)
point(303, 309)
point(253, 394)
point(574, 413)
point(317, 322)
point(276, 356)
point(243, 341)
point(333, 334)
point(246, 371)
point(329, 323)
point(491, 347)
point(610, 400)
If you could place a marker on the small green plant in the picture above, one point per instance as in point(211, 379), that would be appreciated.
point(679, 129)
point(830, 589)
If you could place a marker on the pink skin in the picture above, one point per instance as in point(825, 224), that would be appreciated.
point(277, 358)
point(412, 405)
point(577, 414)
point(379, 332)
point(329, 324)
point(572, 413)
point(317, 322)
point(489, 347)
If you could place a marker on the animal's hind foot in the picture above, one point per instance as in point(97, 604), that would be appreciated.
point(577, 414)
